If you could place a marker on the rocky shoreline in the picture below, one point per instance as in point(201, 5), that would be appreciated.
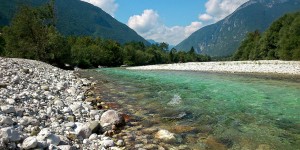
point(44, 107)
point(262, 66)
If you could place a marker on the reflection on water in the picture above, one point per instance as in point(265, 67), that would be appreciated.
point(211, 111)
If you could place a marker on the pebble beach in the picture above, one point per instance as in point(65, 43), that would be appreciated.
point(44, 107)
point(262, 66)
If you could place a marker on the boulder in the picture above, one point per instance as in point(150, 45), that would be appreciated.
point(165, 136)
point(112, 117)
point(9, 134)
point(107, 143)
point(84, 131)
point(10, 101)
point(43, 134)
point(53, 139)
point(8, 109)
point(4, 120)
point(95, 127)
point(29, 143)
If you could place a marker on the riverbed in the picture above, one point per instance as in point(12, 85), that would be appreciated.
point(207, 110)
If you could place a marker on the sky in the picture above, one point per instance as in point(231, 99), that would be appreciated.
point(169, 21)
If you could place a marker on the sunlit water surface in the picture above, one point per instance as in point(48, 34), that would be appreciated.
point(240, 112)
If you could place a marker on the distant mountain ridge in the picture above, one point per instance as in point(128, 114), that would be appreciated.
point(224, 37)
point(75, 17)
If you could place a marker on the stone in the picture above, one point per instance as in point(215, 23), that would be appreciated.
point(107, 143)
point(70, 124)
point(120, 143)
point(15, 79)
point(26, 71)
point(59, 103)
point(71, 118)
point(71, 136)
point(95, 127)
point(90, 99)
point(2, 144)
point(2, 85)
point(84, 131)
point(10, 101)
point(65, 147)
point(112, 117)
point(53, 139)
point(45, 87)
point(4, 120)
point(43, 134)
point(9, 134)
point(165, 136)
point(35, 131)
point(93, 136)
point(71, 91)
point(29, 143)
point(8, 109)
point(75, 106)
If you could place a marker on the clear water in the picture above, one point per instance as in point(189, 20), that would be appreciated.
point(239, 112)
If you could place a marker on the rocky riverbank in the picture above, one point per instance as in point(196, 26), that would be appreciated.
point(263, 66)
point(44, 107)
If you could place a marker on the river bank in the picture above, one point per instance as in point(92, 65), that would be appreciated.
point(263, 66)
point(44, 107)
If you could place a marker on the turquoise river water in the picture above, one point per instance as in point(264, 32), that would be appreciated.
point(238, 112)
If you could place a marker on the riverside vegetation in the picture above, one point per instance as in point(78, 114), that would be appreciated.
point(33, 35)
point(280, 41)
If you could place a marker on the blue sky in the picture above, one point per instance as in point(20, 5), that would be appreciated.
point(172, 12)
point(168, 21)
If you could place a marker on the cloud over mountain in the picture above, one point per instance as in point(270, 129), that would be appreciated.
point(149, 25)
point(109, 6)
point(219, 9)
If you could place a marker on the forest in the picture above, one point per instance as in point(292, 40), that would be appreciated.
point(280, 41)
point(32, 34)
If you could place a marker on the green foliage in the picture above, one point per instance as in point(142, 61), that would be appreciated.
point(33, 35)
point(76, 18)
point(2, 43)
point(280, 41)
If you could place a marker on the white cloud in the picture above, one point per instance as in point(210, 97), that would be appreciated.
point(205, 17)
point(150, 26)
point(109, 6)
point(219, 9)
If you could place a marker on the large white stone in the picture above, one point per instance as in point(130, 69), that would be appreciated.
point(107, 143)
point(8, 109)
point(165, 136)
point(53, 139)
point(43, 134)
point(112, 117)
point(29, 143)
point(64, 147)
point(4, 120)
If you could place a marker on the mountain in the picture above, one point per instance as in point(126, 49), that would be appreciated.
point(225, 36)
point(152, 41)
point(280, 41)
point(75, 17)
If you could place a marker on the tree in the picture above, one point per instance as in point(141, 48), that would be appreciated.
point(32, 34)
point(2, 43)
point(248, 47)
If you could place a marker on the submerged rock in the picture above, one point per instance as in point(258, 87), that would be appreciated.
point(165, 136)
point(112, 117)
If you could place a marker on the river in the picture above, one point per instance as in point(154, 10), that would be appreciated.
point(209, 110)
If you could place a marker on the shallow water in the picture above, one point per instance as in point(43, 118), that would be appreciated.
point(211, 111)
